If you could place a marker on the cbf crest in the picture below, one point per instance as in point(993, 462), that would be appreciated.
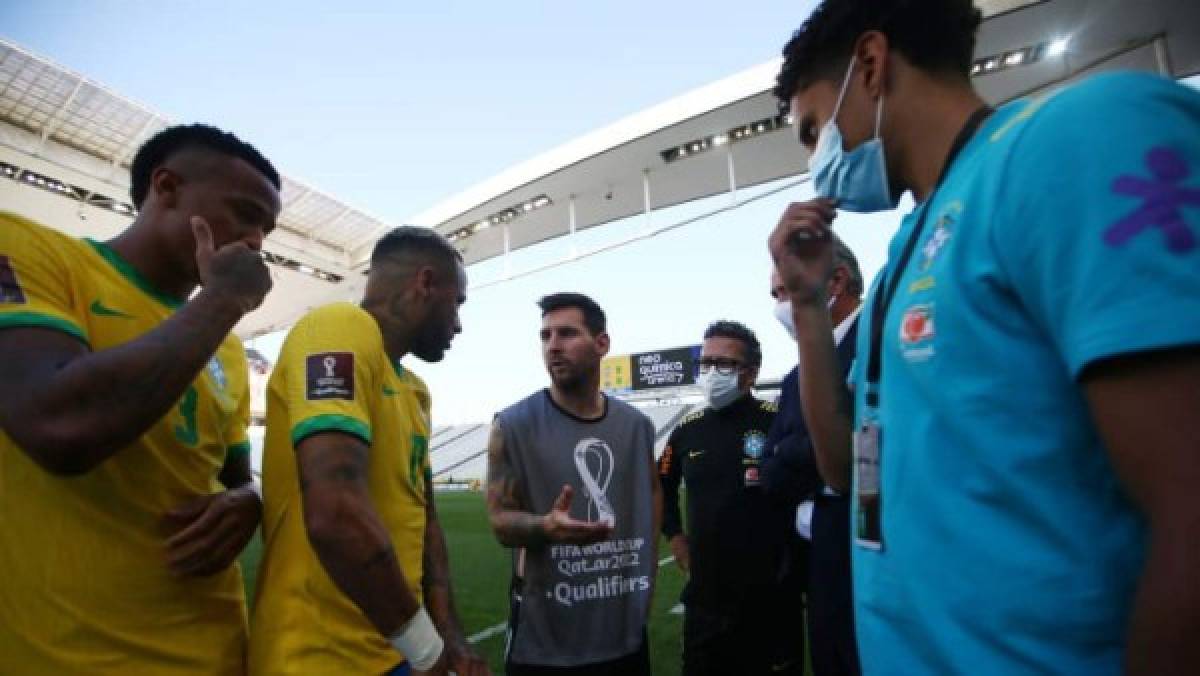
point(217, 373)
point(943, 231)
point(753, 444)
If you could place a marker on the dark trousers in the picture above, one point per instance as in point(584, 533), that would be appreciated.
point(768, 639)
point(636, 664)
point(830, 605)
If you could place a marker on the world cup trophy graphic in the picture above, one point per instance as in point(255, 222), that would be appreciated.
point(595, 452)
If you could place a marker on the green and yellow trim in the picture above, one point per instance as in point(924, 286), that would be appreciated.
point(130, 273)
point(12, 320)
point(330, 422)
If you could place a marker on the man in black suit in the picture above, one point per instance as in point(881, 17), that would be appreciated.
point(789, 475)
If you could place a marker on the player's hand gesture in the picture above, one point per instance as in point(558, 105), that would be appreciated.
point(802, 247)
point(560, 526)
point(465, 662)
point(234, 270)
point(209, 532)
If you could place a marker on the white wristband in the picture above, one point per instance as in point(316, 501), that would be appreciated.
point(418, 640)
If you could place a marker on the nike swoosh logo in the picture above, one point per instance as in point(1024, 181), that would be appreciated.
point(695, 454)
point(101, 310)
point(389, 391)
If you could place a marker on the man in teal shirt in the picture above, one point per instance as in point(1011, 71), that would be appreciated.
point(1024, 444)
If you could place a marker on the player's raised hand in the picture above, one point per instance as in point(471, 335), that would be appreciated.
point(561, 527)
point(235, 270)
point(802, 247)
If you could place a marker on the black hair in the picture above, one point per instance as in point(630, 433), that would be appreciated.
point(726, 328)
point(171, 140)
point(423, 243)
point(934, 35)
point(593, 314)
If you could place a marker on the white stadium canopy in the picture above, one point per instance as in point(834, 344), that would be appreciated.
point(63, 136)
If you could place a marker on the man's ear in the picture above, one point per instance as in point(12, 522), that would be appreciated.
point(751, 377)
point(164, 185)
point(872, 52)
point(603, 342)
point(838, 281)
point(426, 279)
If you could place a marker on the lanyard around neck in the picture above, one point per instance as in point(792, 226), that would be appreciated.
point(892, 280)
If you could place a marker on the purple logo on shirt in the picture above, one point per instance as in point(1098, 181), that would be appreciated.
point(1162, 197)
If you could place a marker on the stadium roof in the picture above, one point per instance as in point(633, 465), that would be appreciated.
point(727, 135)
point(51, 113)
point(720, 138)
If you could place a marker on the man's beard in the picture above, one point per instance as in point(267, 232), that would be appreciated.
point(429, 347)
point(575, 379)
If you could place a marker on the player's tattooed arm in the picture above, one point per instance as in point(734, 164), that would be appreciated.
point(510, 519)
point(350, 540)
point(70, 408)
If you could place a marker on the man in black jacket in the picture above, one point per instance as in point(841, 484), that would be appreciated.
point(821, 548)
point(735, 622)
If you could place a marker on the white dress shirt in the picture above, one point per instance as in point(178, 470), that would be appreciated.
point(804, 510)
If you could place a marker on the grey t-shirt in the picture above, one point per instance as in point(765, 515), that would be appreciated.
point(583, 604)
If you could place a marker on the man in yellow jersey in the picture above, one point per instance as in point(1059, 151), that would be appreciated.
point(355, 576)
point(125, 491)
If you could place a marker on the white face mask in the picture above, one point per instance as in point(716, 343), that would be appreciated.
point(783, 312)
point(720, 390)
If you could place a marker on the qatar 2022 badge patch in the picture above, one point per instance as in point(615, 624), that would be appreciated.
point(329, 375)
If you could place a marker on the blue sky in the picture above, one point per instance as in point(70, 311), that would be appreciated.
point(393, 107)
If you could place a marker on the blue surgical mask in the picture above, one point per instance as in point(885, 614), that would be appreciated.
point(857, 179)
point(720, 389)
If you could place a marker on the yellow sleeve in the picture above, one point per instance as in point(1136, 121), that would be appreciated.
point(236, 440)
point(329, 363)
point(35, 280)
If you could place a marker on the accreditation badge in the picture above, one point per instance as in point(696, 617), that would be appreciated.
point(868, 522)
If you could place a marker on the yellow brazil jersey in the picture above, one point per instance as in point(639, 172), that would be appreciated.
point(85, 587)
point(334, 375)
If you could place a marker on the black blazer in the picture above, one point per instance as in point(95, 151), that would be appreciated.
point(789, 470)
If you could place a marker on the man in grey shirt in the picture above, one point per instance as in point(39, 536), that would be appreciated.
point(583, 569)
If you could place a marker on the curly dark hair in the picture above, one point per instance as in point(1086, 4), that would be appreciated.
point(935, 35)
point(171, 140)
point(726, 328)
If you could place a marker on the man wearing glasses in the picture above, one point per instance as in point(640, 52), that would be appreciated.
point(734, 622)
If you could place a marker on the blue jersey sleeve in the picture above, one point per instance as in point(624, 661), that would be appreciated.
point(1098, 225)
